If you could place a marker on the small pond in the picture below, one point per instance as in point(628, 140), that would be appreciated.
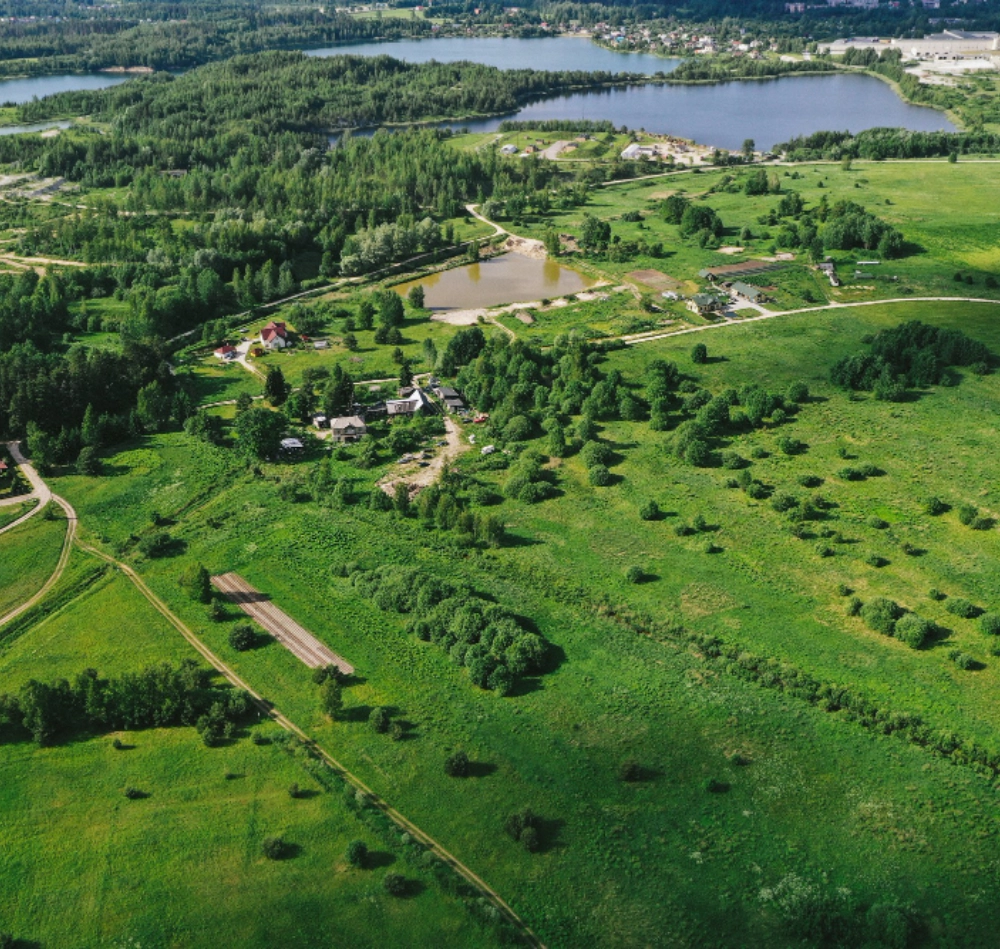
point(510, 278)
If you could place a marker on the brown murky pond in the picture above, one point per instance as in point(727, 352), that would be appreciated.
point(510, 278)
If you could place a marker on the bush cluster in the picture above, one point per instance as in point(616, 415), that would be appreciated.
point(484, 637)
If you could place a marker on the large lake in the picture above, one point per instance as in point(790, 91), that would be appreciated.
point(720, 114)
point(510, 278)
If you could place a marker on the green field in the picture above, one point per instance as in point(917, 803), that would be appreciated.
point(81, 866)
point(28, 555)
point(809, 793)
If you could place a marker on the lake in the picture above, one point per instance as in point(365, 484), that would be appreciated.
point(25, 129)
point(510, 278)
point(720, 114)
point(24, 90)
point(551, 52)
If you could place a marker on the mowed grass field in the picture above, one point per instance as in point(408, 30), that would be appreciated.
point(939, 207)
point(28, 555)
point(82, 866)
point(663, 861)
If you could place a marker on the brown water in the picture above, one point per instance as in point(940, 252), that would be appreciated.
point(510, 278)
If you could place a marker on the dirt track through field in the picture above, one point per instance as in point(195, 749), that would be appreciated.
point(295, 638)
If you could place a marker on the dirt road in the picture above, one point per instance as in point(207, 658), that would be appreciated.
point(44, 495)
point(423, 477)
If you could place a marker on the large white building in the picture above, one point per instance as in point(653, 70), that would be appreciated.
point(950, 44)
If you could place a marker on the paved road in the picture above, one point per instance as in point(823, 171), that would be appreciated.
point(44, 496)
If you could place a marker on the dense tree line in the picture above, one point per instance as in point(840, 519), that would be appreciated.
point(276, 91)
point(484, 637)
point(180, 35)
point(911, 354)
point(722, 68)
point(883, 143)
point(157, 697)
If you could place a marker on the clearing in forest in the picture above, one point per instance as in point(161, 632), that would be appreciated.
point(295, 638)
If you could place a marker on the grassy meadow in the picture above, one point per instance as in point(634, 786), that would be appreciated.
point(743, 787)
point(28, 555)
point(82, 866)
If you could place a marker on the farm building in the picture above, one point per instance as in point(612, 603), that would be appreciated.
point(747, 292)
point(415, 402)
point(450, 397)
point(274, 335)
point(703, 303)
point(348, 428)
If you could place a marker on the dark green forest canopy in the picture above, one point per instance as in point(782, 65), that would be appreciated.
point(270, 92)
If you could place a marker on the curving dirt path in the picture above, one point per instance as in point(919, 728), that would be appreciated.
point(44, 495)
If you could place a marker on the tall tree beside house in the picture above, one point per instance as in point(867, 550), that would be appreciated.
point(275, 387)
point(338, 398)
point(258, 432)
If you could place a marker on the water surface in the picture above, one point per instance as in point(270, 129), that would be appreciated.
point(510, 278)
point(24, 90)
point(549, 52)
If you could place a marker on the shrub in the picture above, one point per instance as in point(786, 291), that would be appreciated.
point(881, 615)
point(797, 392)
point(395, 884)
point(714, 786)
point(274, 848)
point(294, 791)
point(962, 659)
point(877, 523)
point(850, 474)
point(457, 765)
point(635, 574)
point(854, 606)
point(699, 354)
point(732, 460)
point(523, 826)
point(935, 506)
point(650, 511)
point(133, 793)
point(966, 514)
point(914, 630)
point(989, 623)
point(871, 471)
point(396, 731)
point(595, 453)
point(357, 853)
point(699, 523)
point(843, 589)
point(784, 502)
point(876, 560)
point(935, 594)
point(683, 530)
point(242, 637)
point(759, 453)
point(810, 481)
point(962, 607)
point(824, 551)
point(790, 446)
point(156, 545)
point(599, 476)
point(379, 720)
point(630, 771)
point(981, 523)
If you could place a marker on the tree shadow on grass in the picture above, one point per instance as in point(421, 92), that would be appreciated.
point(525, 686)
point(549, 829)
point(356, 713)
point(377, 859)
point(519, 540)
point(307, 794)
point(481, 769)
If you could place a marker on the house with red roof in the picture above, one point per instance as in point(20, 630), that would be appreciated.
point(274, 335)
point(226, 352)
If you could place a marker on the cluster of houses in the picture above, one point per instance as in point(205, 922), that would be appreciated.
point(727, 293)
point(412, 400)
point(273, 336)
